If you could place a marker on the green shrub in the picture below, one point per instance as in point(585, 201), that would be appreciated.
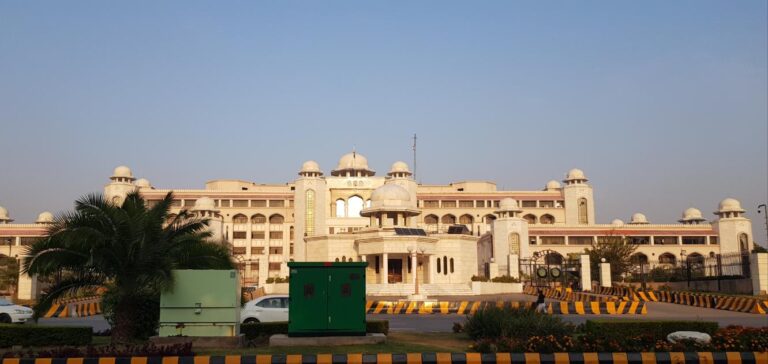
point(29, 335)
point(514, 323)
point(266, 329)
point(479, 279)
point(657, 330)
point(505, 279)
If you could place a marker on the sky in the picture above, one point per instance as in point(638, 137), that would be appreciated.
point(663, 104)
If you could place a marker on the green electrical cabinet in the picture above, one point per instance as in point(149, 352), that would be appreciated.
point(326, 298)
point(201, 303)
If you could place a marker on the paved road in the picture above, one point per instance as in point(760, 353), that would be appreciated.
point(444, 323)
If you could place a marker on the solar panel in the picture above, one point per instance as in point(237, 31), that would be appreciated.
point(410, 231)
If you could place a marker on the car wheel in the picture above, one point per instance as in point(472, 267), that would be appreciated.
point(5, 319)
point(251, 320)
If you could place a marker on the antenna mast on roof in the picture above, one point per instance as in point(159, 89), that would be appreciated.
point(414, 157)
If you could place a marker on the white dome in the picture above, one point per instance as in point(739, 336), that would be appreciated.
point(617, 222)
point(508, 204)
point(575, 174)
point(44, 218)
point(352, 161)
point(638, 218)
point(399, 167)
point(692, 213)
point(553, 185)
point(390, 197)
point(204, 204)
point(730, 205)
point(143, 183)
point(310, 167)
point(390, 192)
point(122, 171)
point(4, 214)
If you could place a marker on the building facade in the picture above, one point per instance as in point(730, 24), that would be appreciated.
point(440, 235)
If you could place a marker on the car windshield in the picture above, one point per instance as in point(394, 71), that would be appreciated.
point(4, 302)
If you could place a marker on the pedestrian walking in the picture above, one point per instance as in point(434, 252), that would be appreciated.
point(541, 307)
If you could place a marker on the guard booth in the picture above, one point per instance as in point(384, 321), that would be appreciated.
point(201, 303)
point(326, 298)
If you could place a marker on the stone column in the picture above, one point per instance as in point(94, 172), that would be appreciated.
point(493, 269)
point(759, 267)
point(263, 270)
point(385, 269)
point(513, 262)
point(586, 273)
point(27, 287)
point(605, 274)
point(414, 268)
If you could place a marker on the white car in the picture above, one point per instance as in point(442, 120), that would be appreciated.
point(272, 308)
point(10, 313)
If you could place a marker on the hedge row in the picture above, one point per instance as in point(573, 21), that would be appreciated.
point(33, 335)
point(262, 329)
point(657, 329)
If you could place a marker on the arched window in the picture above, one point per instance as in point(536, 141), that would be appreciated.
point(553, 258)
point(695, 259)
point(341, 208)
point(445, 265)
point(355, 205)
point(438, 265)
point(448, 219)
point(343, 258)
point(466, 219)
point(547, 219)
point(667, 258)
point(430, 220)
point(451, 265)
point(531, 218)
point(240, 219)
point(276, 219)
point(337, 259)
point(638, 259)
point(743, 242)
point(514, 243)
point(258, 219)
point(583, 217)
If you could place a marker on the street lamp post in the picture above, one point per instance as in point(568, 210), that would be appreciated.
point(415, 252)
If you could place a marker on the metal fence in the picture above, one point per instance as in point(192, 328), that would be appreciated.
point(716, 267)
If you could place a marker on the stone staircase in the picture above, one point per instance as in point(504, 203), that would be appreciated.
point(434, 289)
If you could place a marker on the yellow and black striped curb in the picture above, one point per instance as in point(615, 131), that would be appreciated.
point(430, 358)
point(80, 307)
point(568, 295)
point(470, 307)
point(706, 300)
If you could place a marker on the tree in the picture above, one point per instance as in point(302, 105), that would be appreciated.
point(616, 250)
point(129, 250)
point(9, 274)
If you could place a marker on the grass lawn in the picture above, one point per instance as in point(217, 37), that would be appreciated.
point(397, 342)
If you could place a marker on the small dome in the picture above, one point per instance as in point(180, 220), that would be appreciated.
point(575, 174)
point(44, 218)
point(508, 204)
point(352, 162)
point(204, 204)
point(143, 183)
point(638, 218)
point(310, 167)
point(730, 205)
point(692, 213)
point(4, 214)
point(617, 222)
point(399, 167)
point(390, 192)
point(122, 171)
point(553, 185)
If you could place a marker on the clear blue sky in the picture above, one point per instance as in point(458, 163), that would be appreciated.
point(663, 104)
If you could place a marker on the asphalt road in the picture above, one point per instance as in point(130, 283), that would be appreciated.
point(444, 323)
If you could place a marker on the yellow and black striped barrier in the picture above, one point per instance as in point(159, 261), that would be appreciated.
point(470, 307)
point(705, 300)
point(429, 358)
point(79, 307)
point(568, 294)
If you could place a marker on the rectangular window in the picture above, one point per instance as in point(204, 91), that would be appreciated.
point(238, 235)
point(449, 204)
point(254, 266)
point(640, 240)
point(276, 203)
point(378, 262)
point(257, 250)
point(552, 240)
point(713, 240)
point(466, 204)
point(496, 203)
point(431, 204)
point(238, 250)
point(480, 203)
point(275, 250)
point(694, 240)
point(28, 240)
point(189, 203)
point(560, 204)
point(548, 204)
point(225, 203)
point(532, 240)
point(579, 240)
point(274, 266)
point(257, 235)
point(529, 203)
point(275, 235)
point(258, 203)
point(665, 240)
point(239, 203)
point(176, 203)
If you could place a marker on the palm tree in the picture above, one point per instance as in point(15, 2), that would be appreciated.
point(128, 249)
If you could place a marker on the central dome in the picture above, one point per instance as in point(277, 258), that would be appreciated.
point(391, 193)
point(353, 162)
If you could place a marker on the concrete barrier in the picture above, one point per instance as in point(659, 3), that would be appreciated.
point(470, 307)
